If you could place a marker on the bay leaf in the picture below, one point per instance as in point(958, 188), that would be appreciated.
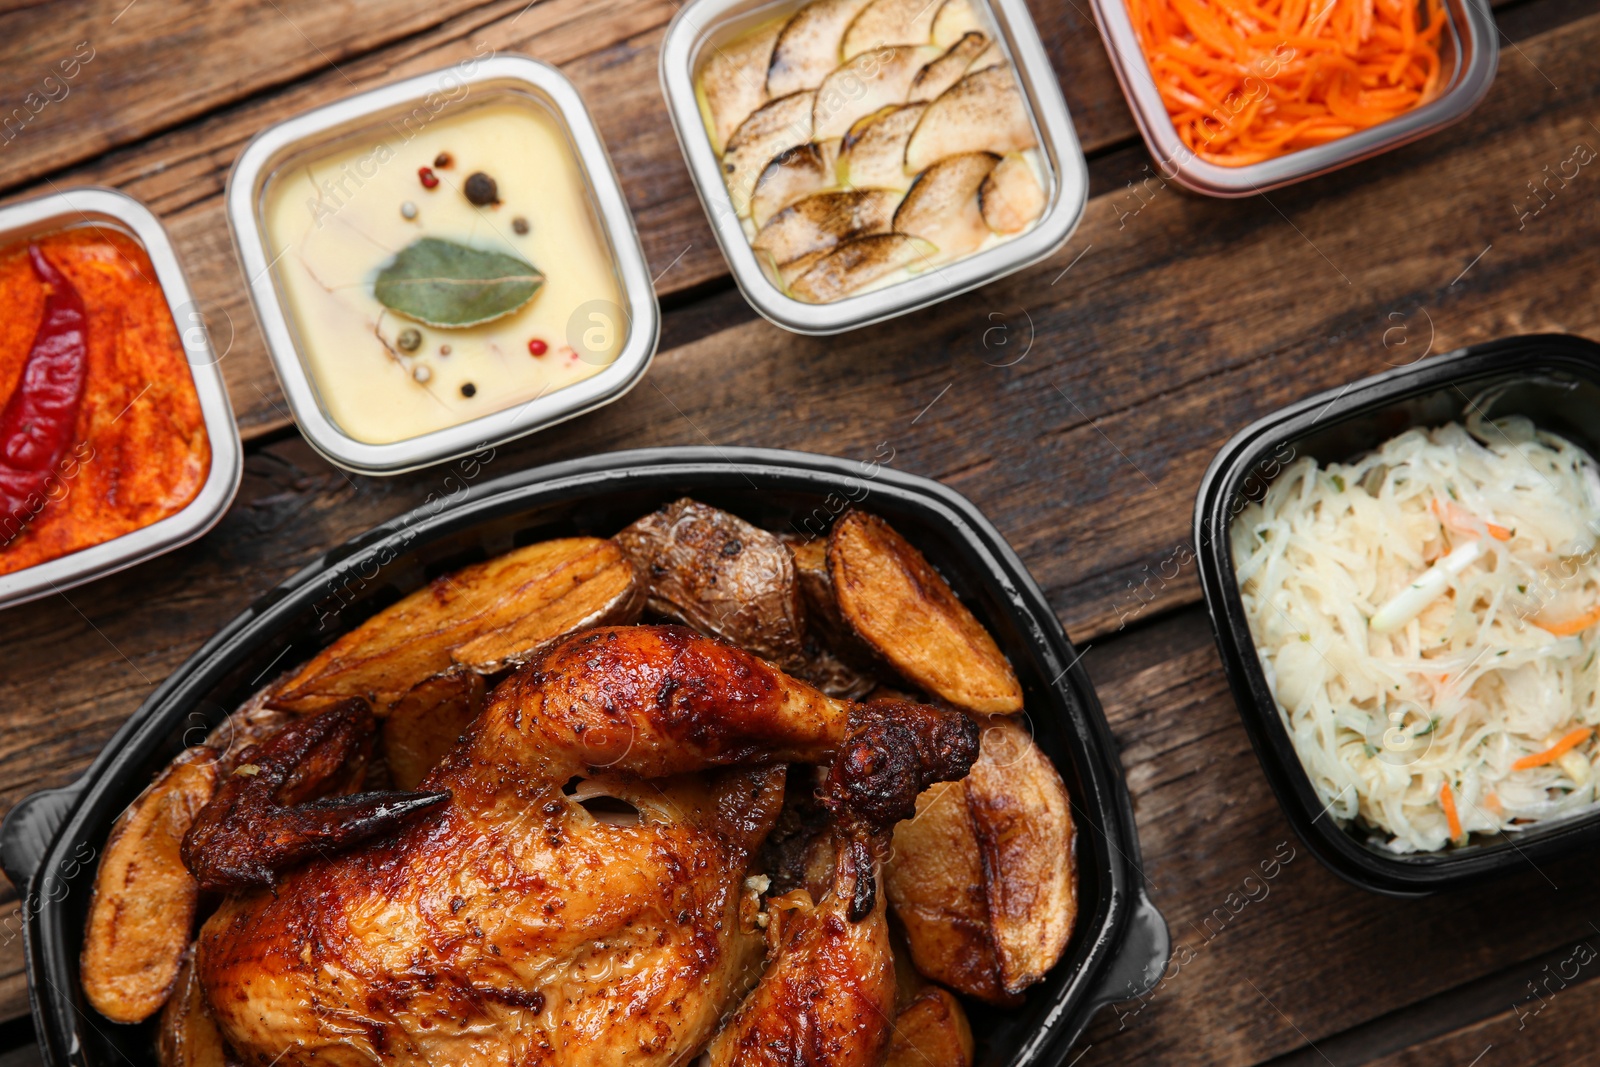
point(445, 284)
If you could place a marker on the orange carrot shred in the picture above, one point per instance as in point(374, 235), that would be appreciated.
point(1571, 626)
point(1447, 801)
point(1248, 80)
point(1555, 751)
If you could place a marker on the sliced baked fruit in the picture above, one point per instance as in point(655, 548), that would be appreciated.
point(793, 175)
point(953, 20)
point(819, 224)
point(905, 611)
point(942, 204)
point(775, 127)
point(866, 84)
point(983, 112)
point(885, 23)
point(733, 83)
point(807, 48)
point(991, 56)
point(857, 263)
point(1010, 197)
point(141, 914)
point(940, 74)
point(873, 153)
point(931, 1031)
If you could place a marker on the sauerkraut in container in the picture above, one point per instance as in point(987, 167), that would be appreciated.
point(1428, 618)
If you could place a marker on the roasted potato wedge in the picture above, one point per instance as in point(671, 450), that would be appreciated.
point(931, 1031)
point(935, 882)
point(982, 877)
point(722, 576)
point(605, 590)
point(894, 600)
point(188, 1036)
point(141, 916)
point(1023, 823)
point(524, 600)
point(836, 661)
point(426, 723)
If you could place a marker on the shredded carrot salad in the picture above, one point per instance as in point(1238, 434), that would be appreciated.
point(1249, 80)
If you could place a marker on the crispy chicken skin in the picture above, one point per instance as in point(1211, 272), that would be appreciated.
point(510, 925)
point(828, 995)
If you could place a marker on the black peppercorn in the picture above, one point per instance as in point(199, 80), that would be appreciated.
point(520, 225)
point(469, 390)
point(481, 189)
point(442, 159)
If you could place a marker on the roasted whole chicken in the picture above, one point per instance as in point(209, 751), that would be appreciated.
point(506, 821)
point(510, 925)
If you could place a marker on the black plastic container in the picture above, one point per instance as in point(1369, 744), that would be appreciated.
point(1118, 948)
point(1552, 379)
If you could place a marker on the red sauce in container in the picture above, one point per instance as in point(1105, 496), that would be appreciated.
point(103, 429)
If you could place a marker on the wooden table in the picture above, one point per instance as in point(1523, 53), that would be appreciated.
point(1077, 403)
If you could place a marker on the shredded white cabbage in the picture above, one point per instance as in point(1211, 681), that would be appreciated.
point(1489, 654)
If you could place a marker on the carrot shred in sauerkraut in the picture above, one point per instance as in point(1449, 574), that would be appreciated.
point(1249, 80)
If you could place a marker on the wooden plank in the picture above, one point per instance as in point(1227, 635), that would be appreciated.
point(92, 75)
point(1272, 951)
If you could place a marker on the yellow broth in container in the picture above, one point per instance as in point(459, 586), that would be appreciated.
point(438, 272)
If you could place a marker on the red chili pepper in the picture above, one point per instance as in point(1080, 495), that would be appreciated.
point(429, 179)
point(537, 347)
point(38, 422)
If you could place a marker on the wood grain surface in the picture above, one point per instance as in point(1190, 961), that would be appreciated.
point(1077, 403)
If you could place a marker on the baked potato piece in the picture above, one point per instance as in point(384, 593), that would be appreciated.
point(188, 1036)
point(426, 723)
point(606, 591)
point(894, 600)
point(1023, 822)
point(931, 1031)
point(526, 599)
point(836, 661)
point(935, 882)
point(722, 576)
point(141, 916)
point(982, 877)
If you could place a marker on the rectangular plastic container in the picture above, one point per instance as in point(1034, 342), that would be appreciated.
point(1471, 46)
point(473, 81)
point(1552, 379)
point(1119, 946)
point(118, 211)
point(704, 24)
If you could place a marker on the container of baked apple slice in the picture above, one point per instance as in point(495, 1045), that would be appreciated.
point(860, 159)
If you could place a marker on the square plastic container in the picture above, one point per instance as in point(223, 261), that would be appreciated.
point(704, 24)
point(1553, 380)
point(473, 82)
point(90, 206)
point(1470, 47)
point(1119, 945)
